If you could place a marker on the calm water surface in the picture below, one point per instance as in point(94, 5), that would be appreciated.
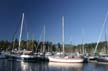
point(6, 65)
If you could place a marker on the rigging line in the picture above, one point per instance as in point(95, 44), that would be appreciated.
point(14, 34)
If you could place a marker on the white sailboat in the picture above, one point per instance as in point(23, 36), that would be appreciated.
point(65, 58)
point(103, 57)
point(22, 55)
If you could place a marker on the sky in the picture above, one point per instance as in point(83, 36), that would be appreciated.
point(83, 19)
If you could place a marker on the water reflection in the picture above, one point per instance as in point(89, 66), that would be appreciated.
point(24, 66)
point(65, 66)
point(100, 67)
point(6, 65)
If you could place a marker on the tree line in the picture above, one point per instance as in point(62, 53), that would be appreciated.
point(39, 46)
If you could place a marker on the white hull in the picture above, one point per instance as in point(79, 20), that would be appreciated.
point(65, 60)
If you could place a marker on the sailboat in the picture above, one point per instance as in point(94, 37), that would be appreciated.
point(87, 57)
point(62, 58)
point(21, 55)
point(103, 57)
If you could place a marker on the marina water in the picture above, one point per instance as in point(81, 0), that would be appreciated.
point(6, 65)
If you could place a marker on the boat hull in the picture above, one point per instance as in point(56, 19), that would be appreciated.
point(2, 57)
point(102, 59)
point(27, 58)
point(66, 60)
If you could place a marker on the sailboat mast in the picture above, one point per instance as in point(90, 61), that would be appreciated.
point(101, 32)
point(21, 30)
point(83, 42)
point(27, 39)
point(63, 32)
point(105, 38)
point(44, 39)
point(44, 33)
point(33, 42)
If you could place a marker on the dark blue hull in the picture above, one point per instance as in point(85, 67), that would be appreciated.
point(103, 59)
point(28, 59)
